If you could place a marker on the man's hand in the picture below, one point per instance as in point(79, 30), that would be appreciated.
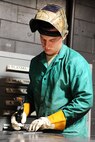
point(55, 121)
point(15, 124)
point(41, 123)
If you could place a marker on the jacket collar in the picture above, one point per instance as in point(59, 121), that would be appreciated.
point(60, 55)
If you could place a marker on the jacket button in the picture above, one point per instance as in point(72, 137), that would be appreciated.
point(45, 78)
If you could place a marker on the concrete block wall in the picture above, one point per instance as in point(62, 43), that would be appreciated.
point(84, 40)
point(15, 34)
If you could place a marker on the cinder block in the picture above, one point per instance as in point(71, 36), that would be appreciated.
point(86, 2)
point(16, 31)
point(83, 43)
point(27, 3)
point(88, 13)
point(94, 73)
point(41, 3)
point(87, 56)
point(7, 45)
point(92, 127)
point(8, 11)
point(83, 28)
point(93, 108)
point(37, 37)
point(93, 42)
point(25, 14)
point(28, 48)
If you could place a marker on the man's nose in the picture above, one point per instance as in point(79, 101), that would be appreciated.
point(46, 43)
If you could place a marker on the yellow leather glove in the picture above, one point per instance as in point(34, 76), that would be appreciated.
point(58, 119)
point(23, 116)
point(26, 108)
point(55, 121)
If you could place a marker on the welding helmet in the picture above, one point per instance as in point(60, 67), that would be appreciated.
point(53, 16)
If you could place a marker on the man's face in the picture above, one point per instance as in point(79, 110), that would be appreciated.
point(51, 45)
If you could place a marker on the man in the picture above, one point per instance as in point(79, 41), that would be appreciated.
point(60, 88)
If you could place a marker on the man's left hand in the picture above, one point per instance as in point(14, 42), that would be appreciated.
point(41, 123)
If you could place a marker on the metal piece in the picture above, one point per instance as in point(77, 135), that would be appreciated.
point(7, 112)
point(16, 68)
point(17, 81)
point(16, 91)
point(10, 103)
point(23, 136)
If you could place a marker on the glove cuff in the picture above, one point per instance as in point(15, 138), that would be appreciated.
point(47, 123)
point(58, 119)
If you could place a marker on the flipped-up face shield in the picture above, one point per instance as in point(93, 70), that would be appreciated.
point(49, 32)
point(46, 28)
point(50, 20)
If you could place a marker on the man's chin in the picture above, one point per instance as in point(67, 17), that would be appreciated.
point(48, 54)
point(51, 54)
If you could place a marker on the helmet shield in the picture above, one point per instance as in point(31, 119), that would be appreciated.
point(50, 16)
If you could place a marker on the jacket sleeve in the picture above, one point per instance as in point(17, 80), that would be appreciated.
point(80, 77)
point(81, 91)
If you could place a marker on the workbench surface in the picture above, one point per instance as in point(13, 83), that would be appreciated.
point(21, 136)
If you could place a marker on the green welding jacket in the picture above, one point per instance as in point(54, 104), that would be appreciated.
point(66, 84)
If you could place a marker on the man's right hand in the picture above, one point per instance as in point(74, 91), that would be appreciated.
point(15, 124)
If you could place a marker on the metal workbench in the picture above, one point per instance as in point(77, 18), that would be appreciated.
point(22, 136)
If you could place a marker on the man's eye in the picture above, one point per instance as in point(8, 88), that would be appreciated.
point(52, 40)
